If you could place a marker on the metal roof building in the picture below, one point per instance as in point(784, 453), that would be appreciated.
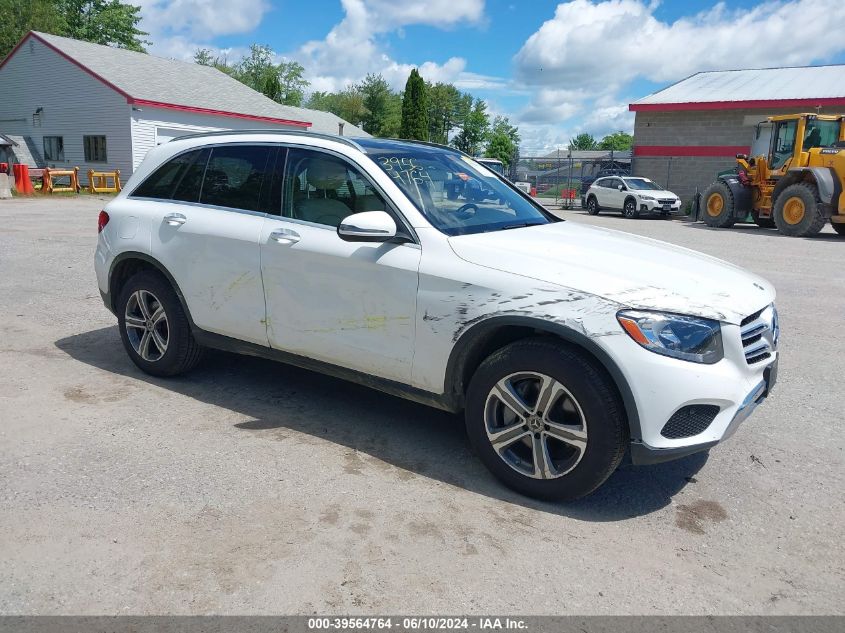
point(684, 134)
point(92, 106)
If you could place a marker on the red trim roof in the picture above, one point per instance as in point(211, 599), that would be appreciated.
point(237, 115)
point(735, 105)
point(690, 150)
point(152, 104)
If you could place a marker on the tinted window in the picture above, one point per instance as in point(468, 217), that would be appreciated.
point(163, 180)
point(324, 189)
point(190, 180)
point(235, 176)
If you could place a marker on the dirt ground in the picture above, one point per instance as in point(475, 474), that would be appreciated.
point(250, 487)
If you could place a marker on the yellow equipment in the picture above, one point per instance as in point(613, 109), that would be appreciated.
point(797, 187)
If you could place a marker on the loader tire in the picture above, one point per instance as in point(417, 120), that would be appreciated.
point(797, 211)
point(718, 206)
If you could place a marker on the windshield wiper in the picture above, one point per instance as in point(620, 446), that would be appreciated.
point(519, 226)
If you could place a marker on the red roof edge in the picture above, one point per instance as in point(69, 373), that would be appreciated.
point(152, 104)
point(236, 115)
point(690, 150)
point(734, 105)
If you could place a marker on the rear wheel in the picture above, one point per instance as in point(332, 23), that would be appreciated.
point(545, 420)
point(154, 328)
point(593, 206)
point(797, 211)
point(763, 223)
point(718, 204)
point(630, 209)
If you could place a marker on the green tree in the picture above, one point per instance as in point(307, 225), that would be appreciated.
point(108, 22)
point(443, 102)
point(378, 102)
point(112, 23)
point(474, 130)
point(618, 141)
point(282, 82)
point(414, 109)
point(503, 141)
point(583, 141)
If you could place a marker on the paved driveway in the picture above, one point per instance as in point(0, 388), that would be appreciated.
point(251, 487)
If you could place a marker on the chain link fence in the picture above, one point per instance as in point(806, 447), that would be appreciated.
point(561, 177)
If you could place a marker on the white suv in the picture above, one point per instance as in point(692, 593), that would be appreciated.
point(564, 344)
point(632, 195)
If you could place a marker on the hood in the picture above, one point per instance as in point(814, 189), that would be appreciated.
point(636, 272)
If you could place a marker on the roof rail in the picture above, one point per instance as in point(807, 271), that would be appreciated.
point(329, 137)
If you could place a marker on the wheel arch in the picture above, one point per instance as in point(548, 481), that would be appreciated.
point(741, 195)
point(630, 197)
point(129, 263)
point(481, 340)
point(824, 178)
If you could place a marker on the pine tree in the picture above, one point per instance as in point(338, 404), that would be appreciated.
point(414, 109)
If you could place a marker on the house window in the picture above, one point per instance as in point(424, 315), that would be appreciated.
point(95, 149)
point(54, 148)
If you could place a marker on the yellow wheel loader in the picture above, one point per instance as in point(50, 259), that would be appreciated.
point(797, 187)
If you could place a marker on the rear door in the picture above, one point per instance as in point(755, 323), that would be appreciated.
point(207, 236)
point(351, 304)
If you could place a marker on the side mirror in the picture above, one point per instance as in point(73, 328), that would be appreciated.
point(620, 187)
point(369, 226)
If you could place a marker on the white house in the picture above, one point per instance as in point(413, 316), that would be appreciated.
point(66, 103)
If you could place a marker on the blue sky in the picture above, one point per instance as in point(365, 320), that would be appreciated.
point(555, 68)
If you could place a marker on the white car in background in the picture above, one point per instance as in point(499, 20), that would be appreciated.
point(632, 195)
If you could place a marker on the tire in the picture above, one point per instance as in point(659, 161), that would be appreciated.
point(147, 293)
point(763, 223)
point(718, 210)
point(797, 211)
point(839, 228)
point(629, 209)
point(593, 207)
point(588, 403)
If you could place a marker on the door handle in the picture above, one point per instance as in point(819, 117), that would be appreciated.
point(284, 236)
point(175, 219)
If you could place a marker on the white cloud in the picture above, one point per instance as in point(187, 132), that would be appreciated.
point(580, 61)
point(178, 27)
point(353, 49)
point(606, 44)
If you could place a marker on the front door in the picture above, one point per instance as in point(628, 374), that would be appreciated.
point(351, 304)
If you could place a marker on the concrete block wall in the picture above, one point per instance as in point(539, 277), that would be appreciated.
point(682, 174)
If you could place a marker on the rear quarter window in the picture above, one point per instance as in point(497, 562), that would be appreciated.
point(163, 181)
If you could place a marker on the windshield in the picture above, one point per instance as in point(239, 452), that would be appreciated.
point(642, 184)
point(455, 193)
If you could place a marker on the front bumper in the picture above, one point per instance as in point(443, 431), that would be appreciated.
point(655, 206)
point(643, 454)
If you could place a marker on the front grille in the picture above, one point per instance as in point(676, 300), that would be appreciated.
point(759, 334)
point(690, 420)
point(666, 201)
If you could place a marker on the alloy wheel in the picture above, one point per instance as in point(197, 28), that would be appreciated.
point(630, 209)
point(146, 325)
point(535, 425)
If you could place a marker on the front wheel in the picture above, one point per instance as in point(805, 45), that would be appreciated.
point(797, 211)
point(718, 206)
point(154, 328)
point(630, 209)
point(545, 420)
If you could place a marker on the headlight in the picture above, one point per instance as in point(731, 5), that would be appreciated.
point(685, 337)
point(642, 197)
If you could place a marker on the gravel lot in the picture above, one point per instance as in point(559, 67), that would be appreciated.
point(250, 487)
